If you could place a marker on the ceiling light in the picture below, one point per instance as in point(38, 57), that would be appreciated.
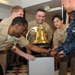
point(48, 9)
point(4, 2)
point(55, 9)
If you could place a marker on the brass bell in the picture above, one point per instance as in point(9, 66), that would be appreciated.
point(37, 36)
point(40, 37)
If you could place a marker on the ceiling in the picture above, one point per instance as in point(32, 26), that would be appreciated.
point(32, 9)
point(52, 4)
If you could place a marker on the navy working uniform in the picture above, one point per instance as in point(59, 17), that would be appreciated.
point(68, 47)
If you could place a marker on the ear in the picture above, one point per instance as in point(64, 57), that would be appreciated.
point(13, 13)
point(16, 26)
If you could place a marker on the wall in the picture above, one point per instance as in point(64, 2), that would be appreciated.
point(15, 2)
point(4, 11)
point(49, 21)
point(29, 17)
point(27, 3)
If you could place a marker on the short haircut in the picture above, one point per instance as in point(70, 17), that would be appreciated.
point(19, 20)
point(16, 9)
point(42, 10)
point(58, 16)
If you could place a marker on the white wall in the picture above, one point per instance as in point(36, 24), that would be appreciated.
point(15, 2)
point(29, 17)
point(27, 3)
point(4, 11)
point(49, 21)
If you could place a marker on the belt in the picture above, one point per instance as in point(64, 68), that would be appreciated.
point(3, 51)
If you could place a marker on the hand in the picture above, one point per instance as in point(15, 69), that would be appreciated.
point(9, 45)
point(44, 54)
point(29, 57)
point(53, 52)
point(61, 54)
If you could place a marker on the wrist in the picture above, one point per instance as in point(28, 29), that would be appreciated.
point(49, 51)
point(56, 51)
point(13, 48)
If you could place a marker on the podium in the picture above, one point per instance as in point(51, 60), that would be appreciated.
point(41, 66)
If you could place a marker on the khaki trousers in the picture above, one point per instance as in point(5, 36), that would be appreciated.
point(3, 61)
point(1, 71)
point(63, 64)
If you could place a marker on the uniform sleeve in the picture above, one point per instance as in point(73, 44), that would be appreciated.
point(4, 21)
point(23, 41)
point(69, 45)
point(73, 31)
point(55, 40)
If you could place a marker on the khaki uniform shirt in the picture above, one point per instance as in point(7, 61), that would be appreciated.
point(4, 25)
point(46, 27)
point(59, 37)
point(7, 21)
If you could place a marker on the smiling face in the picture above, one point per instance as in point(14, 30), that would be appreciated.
point(40, 17)
point(57, 22)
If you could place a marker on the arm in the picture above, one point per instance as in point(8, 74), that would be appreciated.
point(55, 43)
point(25, 43)
point(54, 47)
point(67, 47)
point(28, 51)
point(36, 48)
point(19, 52)
point(53, 51)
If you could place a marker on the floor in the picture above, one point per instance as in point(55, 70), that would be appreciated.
point(22, 70)
point(56, 73)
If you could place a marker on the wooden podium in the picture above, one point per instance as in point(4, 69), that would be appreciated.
point(41, 66)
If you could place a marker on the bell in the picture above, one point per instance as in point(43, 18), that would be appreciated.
point(37, 36)
point(40, 37)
